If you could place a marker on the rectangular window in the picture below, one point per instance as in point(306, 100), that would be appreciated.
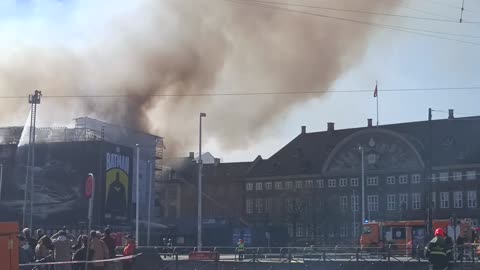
point(443, 176)
point(472, 199)
point(391, 202)
point(403, 179)
point(458, 199)
point(403, 201)
point(355, 203)
point(416, 201)
point(300, 230)
point(309, 230)
point(444, 200)
point(457, 176)
point(288, 185)
point(354, 182)
point(268, 185)
point(332, 183)
point(342, 182)
point(434, 177)
point(298, 184)
point(259, 206)
point(471, 175)
point(278, 185)
point(309, 184)
point(259, 186)
point(434, 199)
point(249, 203)
point(268, 205)
point(391, 180)
point(289, 205)
point(372, 202)
point(372, 181)
point(416, 179)
point(343, 202)
point(320, 183)
point(249, 187)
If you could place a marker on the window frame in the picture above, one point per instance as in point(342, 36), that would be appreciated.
point(372, 181)
point(391, 204)
point(443, 176)
point(471, 175)
point(249, 187)
point(258, 186)
point(278, 185)
point(403, 198)
point(444, 200)
point(372, 203)
point(332, 183)
point(391, 180)
point(343, 202)
point(403, 179)
point(288, 184)
point(471, 199)
point(354, 182)
point(268, 186)
point(298, 184)
point(416, 178)
point(320, 183)
point(416, 201)
point(249, 206)
point(458, 199)
point(355, 201)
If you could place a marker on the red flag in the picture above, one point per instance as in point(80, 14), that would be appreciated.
point(375, 93)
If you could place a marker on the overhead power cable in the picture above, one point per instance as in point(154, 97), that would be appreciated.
point(354, 11)
point(258, 93)
point(391, 27)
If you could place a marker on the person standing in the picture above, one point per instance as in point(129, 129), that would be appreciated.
point(110, 242)
point(241, 249)
point(32, 241)
point(128, 251)
point(61, 250)
point(25, 253)
point(81, 254)
point(438, 252)
point(100, 250)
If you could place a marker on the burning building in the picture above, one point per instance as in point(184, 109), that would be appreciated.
point(63, 159)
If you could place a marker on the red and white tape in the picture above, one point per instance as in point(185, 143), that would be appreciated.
point(72, 262)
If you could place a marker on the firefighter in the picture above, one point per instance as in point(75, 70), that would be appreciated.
point(438, 252)
point(241, 249)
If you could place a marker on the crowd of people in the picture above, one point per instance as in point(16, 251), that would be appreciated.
point(64, 247)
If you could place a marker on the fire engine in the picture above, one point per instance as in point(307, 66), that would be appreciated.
point(409, 233)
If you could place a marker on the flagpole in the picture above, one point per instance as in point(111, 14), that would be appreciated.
point(376, 87)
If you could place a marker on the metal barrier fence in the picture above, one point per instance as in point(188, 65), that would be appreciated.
point(401, 253)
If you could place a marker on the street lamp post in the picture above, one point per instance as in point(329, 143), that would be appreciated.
point(137, 193)
point(363, 183)
point(200, 164)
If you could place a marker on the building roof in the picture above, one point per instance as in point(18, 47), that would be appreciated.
point(454, 142)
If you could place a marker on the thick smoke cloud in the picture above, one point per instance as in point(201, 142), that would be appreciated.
point(180, 47)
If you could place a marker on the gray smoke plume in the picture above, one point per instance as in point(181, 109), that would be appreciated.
point(183, 47)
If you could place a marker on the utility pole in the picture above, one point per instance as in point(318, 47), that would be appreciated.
point(200, 164)
point(33, 100)
point(429, 180)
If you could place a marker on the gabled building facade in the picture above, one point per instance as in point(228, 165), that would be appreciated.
point(312, 186)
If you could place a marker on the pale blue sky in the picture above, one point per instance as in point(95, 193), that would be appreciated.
point(395, 59)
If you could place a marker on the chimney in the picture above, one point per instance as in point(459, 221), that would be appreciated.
point(450, 114)
point(216, 161)
point(304, 129)
point(330, 127)
point(369, 122)
point(191, 155)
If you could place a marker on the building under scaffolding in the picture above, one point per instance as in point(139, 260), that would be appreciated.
point(90, 133)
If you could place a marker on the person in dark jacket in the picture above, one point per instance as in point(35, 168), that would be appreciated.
point(81, 255)
point(438, 252)
point(110, 242)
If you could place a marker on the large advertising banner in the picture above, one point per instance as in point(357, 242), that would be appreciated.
point(118, 177)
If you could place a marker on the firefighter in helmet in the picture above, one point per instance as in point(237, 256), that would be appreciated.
point(438, 252)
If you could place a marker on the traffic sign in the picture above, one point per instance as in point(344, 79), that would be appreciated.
point(89, 186)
